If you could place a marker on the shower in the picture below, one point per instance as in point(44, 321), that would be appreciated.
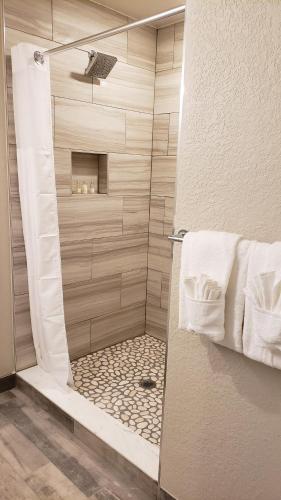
point(100, 65)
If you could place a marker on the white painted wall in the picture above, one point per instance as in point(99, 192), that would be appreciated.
point(222, 425)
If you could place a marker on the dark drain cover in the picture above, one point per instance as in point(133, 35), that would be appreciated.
point(147, 383)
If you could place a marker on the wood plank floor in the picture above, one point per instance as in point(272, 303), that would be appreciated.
point(41, 459)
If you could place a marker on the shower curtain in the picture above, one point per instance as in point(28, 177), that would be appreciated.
point(37, 187)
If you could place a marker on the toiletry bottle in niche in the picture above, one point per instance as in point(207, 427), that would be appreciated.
point(84, 188)
point(74, 187)
point(92, 188)
point(79, 189)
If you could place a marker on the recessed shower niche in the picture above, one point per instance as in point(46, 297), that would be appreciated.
point(89, 173)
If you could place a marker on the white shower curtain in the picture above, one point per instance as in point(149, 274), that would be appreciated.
point(37, 187)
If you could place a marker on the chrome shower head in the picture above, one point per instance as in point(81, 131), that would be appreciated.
point(100, 65)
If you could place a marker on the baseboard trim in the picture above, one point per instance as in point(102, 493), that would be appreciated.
point(7, 383)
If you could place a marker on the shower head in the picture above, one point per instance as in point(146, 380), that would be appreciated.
point(100, 65)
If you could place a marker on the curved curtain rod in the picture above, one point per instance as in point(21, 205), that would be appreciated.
point(39, 56)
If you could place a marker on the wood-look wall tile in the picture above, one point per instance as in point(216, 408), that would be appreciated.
point(142, 47)
point(11, 121)
point(168, 229)
point(83, 217)
point(127, 87)
point(30, 16)
point(178, 47)
point(87, 127)
point(76, 259)
point(165, 286)
point(116, 327)
point(156, 321)
point(19, 271)
point(138, 133)
point(163, 176)
point(24, 347)
point(169, 210)
point(167, 91)
point(159, 253)
point(62, 158)
point(13, 171)
point(67, 76)
point(118, 255)
point(79, 339)
point(129, 174)
point(165, 48)
point(157, 210)
point(16, 222)
point(173, 134)
point(154, 287)
point(75, 19)
point(135, 214)
point(160, 135)
point(133, 287)
point(90, 300)
point(14, 37)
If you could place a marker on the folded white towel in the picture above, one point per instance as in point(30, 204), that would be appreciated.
point(206, 265)
point(262, 322)
point(235, 298)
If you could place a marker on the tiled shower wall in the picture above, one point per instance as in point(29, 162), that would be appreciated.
point(104, 238)
point(165, 134)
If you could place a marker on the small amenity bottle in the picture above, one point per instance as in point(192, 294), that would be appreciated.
point(84, 188)
point(79, 190)
point(92, 188)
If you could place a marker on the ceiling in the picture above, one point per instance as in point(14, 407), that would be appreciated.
point(144, 8)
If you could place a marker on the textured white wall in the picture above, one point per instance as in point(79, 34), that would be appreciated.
point(222, 424)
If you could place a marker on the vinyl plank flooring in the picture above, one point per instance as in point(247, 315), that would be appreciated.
point(51, 484)
point(13, 446)
point(44, 460)
point(67, 464)
point(94, 460)
point(13, 487)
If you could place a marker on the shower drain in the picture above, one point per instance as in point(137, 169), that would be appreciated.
point(147, 383)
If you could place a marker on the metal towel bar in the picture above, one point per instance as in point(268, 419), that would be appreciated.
point(178, 236)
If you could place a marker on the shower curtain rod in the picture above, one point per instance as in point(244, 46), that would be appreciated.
point(39, 56)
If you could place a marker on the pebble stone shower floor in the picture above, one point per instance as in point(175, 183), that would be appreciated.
point(110, 378)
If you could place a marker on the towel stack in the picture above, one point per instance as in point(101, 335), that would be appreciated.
point(227, 282)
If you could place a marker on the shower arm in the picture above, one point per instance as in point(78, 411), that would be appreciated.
point(39, 56)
